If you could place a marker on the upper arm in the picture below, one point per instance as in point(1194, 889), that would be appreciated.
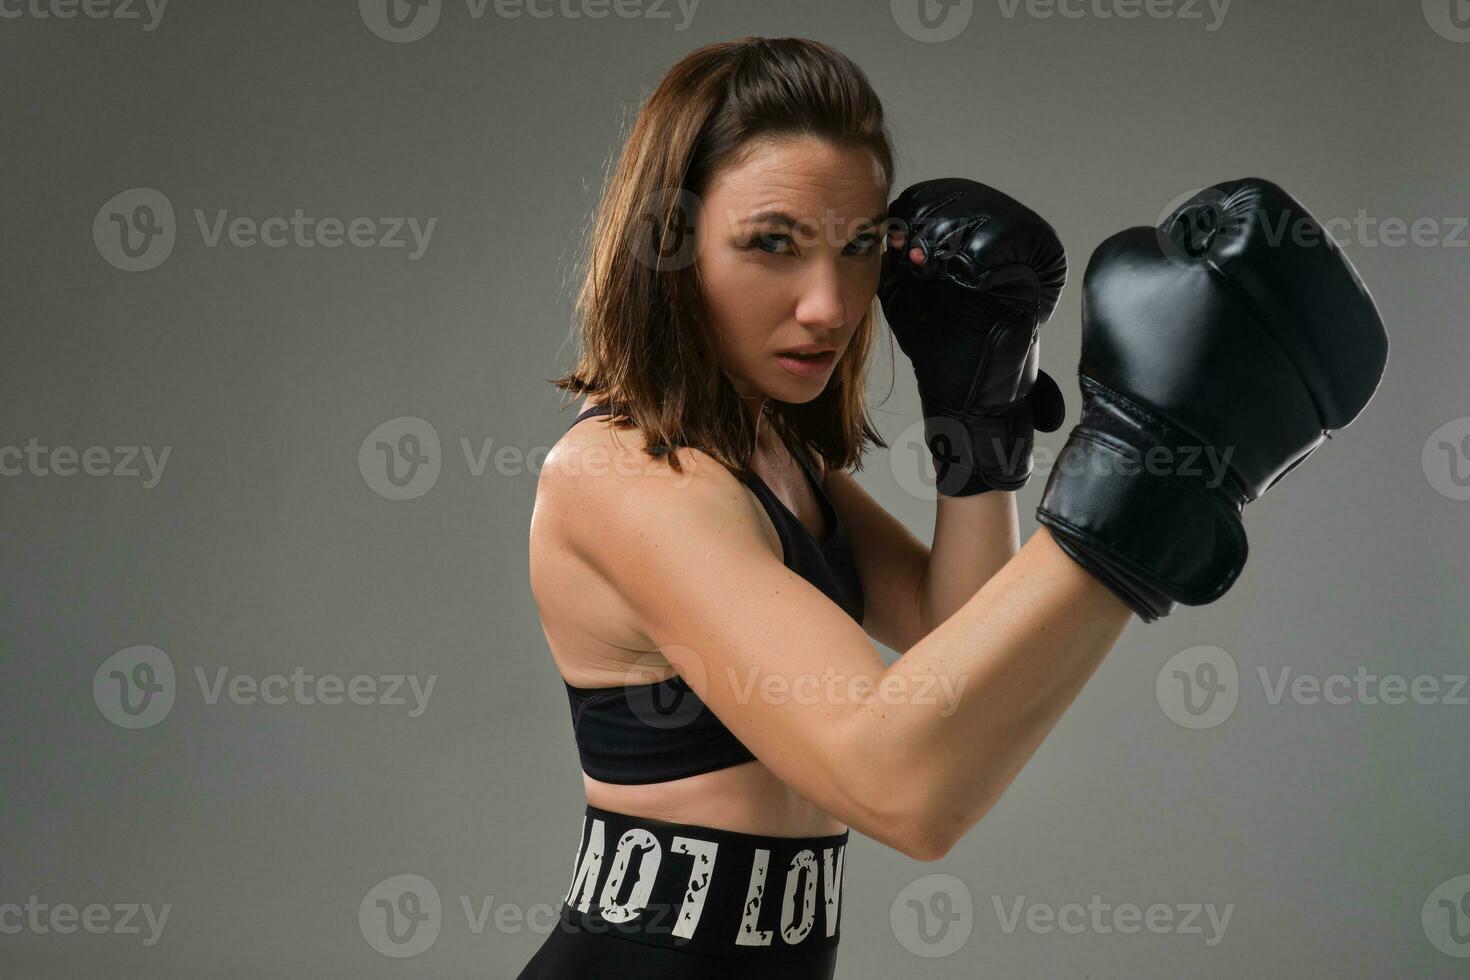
point(891, 562)
point(755, 641)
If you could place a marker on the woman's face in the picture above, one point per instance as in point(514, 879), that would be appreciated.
point(789, 252)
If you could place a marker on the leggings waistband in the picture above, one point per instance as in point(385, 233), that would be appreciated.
point(704, 890)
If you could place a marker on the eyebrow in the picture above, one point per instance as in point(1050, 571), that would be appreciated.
point(787, 221)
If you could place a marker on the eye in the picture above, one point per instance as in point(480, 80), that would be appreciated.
point(863, 245)
point(771, 243)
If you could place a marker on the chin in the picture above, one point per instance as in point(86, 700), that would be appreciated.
point(797, 391)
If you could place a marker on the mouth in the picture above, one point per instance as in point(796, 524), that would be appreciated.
point(807, 361)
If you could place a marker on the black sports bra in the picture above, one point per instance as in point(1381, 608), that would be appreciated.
point(649, 733)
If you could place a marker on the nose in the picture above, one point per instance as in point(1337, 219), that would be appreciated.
point(820, 304)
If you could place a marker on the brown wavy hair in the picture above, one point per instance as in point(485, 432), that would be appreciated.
point(640, 317)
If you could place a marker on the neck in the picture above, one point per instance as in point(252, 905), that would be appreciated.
point(754, 406)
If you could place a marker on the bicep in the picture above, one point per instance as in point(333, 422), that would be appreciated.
point(759, 645)
point(891, 562)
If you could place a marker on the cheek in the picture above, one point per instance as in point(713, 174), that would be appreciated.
point(859, 288)
point(745, 303)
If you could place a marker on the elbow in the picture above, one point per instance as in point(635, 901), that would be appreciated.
point(904, 796)
point(930, 846)
point(921, 839)
point(939, 824)
point(936, 829)
point(902, 814)
point(912, 839)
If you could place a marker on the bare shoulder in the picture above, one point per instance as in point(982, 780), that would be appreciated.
point(607, 518)
point(599, 483)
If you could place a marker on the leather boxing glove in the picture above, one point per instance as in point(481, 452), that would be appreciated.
point(1218, 352)
point(967, 318)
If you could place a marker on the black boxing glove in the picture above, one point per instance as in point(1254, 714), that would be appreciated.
point(1218, 352)
point(967, 318)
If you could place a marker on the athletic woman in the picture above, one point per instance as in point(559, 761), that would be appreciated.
point(710, 576)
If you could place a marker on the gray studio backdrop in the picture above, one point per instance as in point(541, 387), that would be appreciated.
point(254, 675)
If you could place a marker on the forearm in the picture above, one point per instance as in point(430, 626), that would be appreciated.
point(970, 703)
point(973, 538)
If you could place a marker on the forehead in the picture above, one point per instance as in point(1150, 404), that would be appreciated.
point(801, 173)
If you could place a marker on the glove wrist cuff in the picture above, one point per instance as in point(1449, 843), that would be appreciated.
point(1154, 529)
point(975, 452)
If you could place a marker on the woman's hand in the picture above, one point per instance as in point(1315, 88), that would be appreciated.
point(968, 276)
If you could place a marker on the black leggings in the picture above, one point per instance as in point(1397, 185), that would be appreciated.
point(651, 900)
point(574, 955)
